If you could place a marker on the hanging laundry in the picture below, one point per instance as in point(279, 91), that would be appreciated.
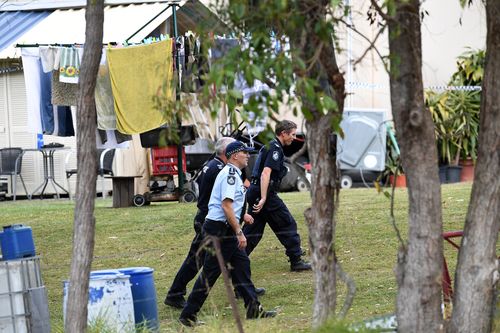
point(63, 93)
point(64, 119)
point(50, 57)
point(32, 68)
point(137, 74)
point(196, 64)
point(112, 139)
point(104, 102)
point(69, 65)
point(46, 108)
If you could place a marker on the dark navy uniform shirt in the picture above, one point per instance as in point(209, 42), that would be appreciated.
point(272, 158)
point(206, 182)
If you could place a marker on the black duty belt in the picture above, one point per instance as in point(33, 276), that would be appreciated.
point(222, 222)
point(274, 185)
point(226, 227)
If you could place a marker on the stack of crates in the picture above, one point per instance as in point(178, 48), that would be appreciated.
point(164, 161)
point(23, 298)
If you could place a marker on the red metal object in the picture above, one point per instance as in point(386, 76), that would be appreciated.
point(447, 288)
point(164, 160)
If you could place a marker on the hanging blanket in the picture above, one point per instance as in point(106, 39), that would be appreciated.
point(138, 73)
point(63, 93)
point(104, 103)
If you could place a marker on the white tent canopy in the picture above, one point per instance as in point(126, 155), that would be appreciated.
point(67, 26)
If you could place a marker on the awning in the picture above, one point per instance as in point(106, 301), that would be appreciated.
point(67, 26)
point(15, 24)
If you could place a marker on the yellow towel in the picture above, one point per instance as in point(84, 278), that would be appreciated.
point(137, 74)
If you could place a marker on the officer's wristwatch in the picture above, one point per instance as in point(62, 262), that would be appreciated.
point(239, 233)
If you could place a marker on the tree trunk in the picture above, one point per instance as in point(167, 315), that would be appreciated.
point(84, 225)
point(420, 261)
point(477, 269)
point(320, 222)
point(323, 68)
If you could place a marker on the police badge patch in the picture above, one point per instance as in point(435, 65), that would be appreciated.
point(231, 180)
point(276, 155)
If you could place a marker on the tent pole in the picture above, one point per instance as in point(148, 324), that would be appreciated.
point(177, 98)
point(145, 25)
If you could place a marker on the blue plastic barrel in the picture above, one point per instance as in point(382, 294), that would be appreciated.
point(144, 295)
point(16, 242)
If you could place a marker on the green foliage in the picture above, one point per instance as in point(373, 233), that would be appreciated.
point(260, 25)
point(456, 113)
point(456, 123)
point(470, 68)
point(393, 165)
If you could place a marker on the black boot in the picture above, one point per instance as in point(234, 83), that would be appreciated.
point(298, 265)
point(189, 320)
point(258, 291)
point(255, 310)
point(175, 302)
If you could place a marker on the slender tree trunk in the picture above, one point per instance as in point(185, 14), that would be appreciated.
point(320, 221)
point(477, 270)
point(320, 217)
point(420, 261)
point(84, 225)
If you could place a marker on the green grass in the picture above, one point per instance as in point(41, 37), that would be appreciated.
point(159, 235)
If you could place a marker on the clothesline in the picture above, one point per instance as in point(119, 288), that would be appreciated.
point(65, 45)
point(120, 88)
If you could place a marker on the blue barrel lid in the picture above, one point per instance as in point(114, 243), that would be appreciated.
point(105, 272)
point(15, 226)
point(136, 270)
point(109, 276)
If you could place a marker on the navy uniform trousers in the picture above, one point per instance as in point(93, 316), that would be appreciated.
point(279, 218)
point(240, 269)
point(192, 264)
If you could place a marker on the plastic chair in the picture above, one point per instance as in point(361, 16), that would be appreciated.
point(11, 161)
point(105, 159)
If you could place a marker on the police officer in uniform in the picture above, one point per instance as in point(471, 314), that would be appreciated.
point(224, 210)
point(263, 200)
point(192, 264)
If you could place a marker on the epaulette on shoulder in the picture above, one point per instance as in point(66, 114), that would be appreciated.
point(276, 144)
point(232, 171)
point(220, 166)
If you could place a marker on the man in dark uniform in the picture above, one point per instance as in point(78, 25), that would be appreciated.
point(223, 222)
point(264, 203)
point(192, 264)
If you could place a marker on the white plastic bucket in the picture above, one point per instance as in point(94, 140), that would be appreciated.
point(110, 302)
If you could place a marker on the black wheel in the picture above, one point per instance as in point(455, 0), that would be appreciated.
point(140, 200)
point(345, 182)
point(188, 196)
point(303, 184)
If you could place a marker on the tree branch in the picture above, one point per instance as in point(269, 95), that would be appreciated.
point(351, 289)
point(372, 43)
point(379, 10)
